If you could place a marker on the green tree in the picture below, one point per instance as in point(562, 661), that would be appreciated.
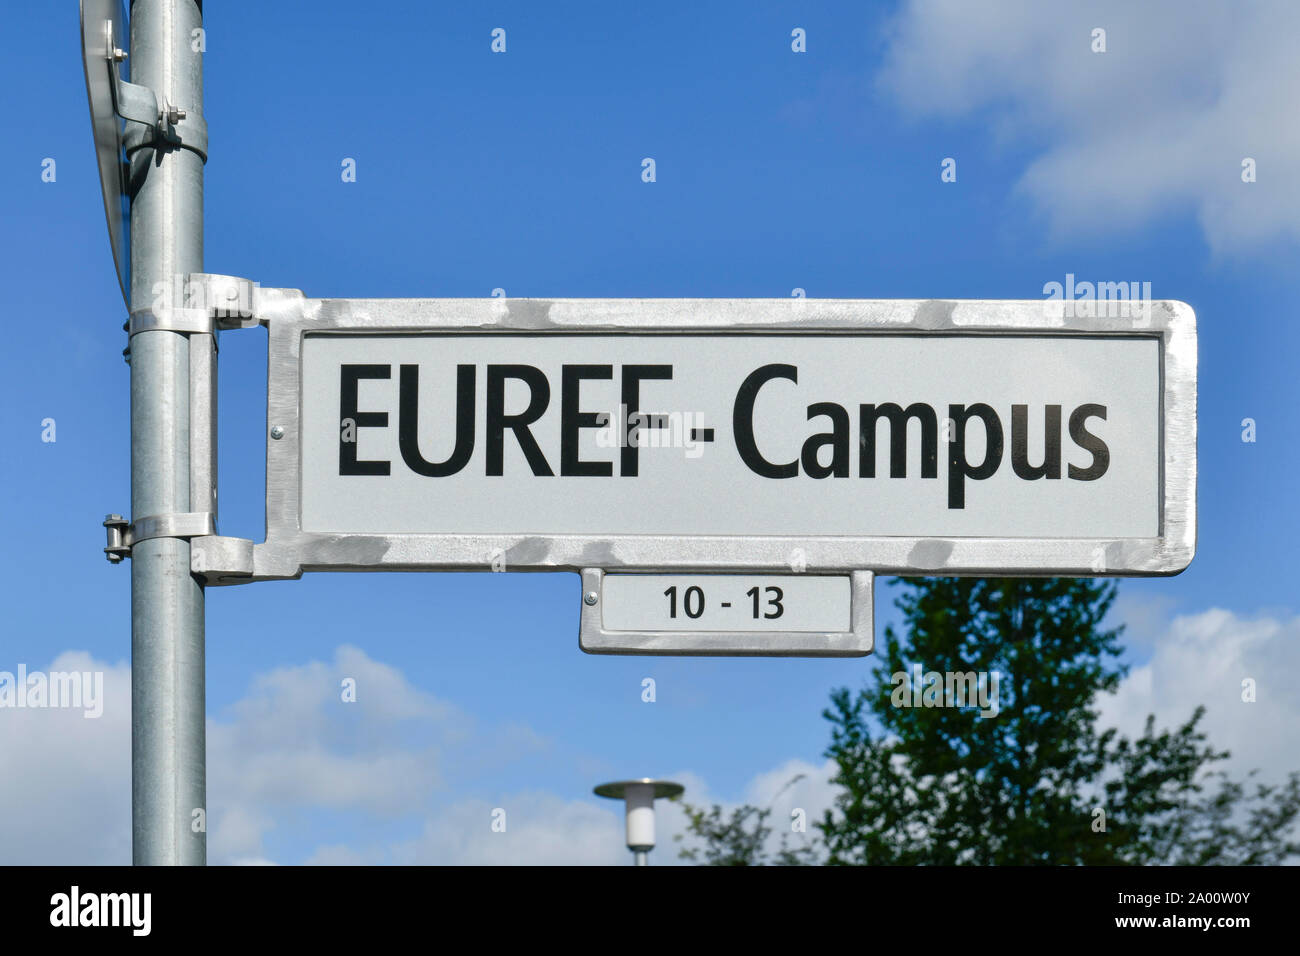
point(1030, 779)
point(741, 837)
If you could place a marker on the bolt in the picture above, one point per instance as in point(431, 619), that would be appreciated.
point(277, 432)
point(589, 598)
point(118, 55)
point(115, 525)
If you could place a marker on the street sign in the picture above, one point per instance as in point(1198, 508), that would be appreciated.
point(804, 615)
point(105, 39)
point(725, 602)
point(909, 437)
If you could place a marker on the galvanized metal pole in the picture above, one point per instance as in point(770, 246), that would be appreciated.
point(168, 746)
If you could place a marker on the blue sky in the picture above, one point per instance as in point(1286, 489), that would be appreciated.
point(475, 170)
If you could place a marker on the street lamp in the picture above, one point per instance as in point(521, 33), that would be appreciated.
point(639, 796)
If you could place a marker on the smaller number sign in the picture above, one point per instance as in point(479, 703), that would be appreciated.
point(727, 614)
point(725, 602)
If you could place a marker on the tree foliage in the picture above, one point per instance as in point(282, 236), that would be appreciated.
point(741, 837)
point(1030, 779)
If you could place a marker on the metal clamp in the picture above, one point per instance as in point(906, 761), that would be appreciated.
point(188, 131)
point(122, 537)
point(225, 302)
point(169, 319)
point(139, 104)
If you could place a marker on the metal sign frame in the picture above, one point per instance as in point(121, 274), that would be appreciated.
point(288, 551)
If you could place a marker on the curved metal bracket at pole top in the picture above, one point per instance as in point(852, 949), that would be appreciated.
point(104, 35)
point(125, 117)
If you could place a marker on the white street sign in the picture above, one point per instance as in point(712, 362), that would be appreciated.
point(800, 435)
point(717, 435)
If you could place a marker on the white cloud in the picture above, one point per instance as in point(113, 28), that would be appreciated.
point(387, 766)
point(1157, 125)
point(65, 780)
point(1203, 659)
point(390, 763)
point(293, 745)
point(540, 828)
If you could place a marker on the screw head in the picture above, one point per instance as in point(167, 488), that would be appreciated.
point(277, 432)
point(589, 598)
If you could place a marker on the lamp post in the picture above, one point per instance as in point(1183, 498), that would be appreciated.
point(639, 797)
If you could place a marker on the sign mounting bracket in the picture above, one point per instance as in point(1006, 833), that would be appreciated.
point(207, 303)
point(140, 104)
